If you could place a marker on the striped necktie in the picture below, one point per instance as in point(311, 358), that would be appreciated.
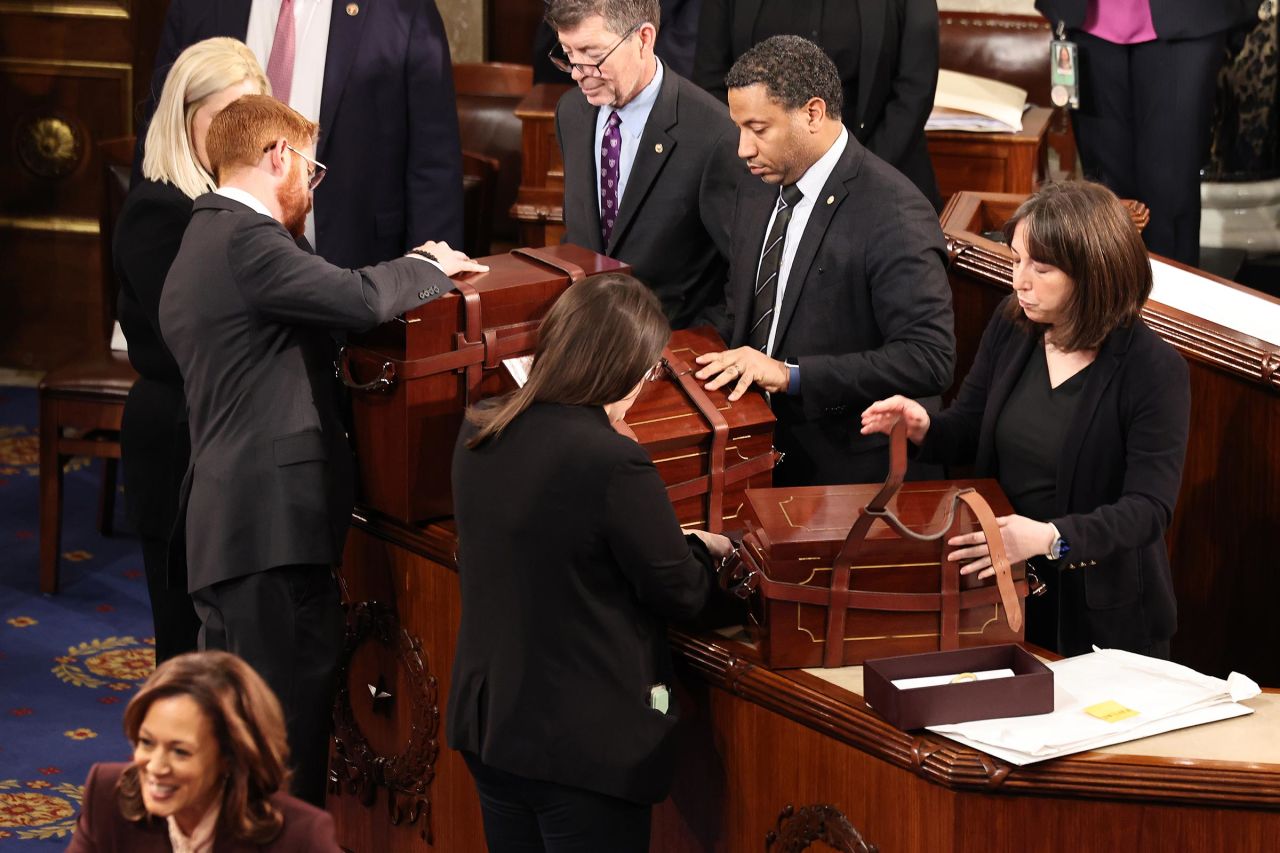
point(770, 263)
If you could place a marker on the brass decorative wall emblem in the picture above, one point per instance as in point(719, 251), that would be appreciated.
point(49, 146)
point(358, 768)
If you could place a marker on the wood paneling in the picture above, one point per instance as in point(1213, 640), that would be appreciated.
point(756, 741)
point(71, 75)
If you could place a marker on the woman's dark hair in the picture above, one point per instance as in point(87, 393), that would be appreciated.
point(1082, 229)
point(248, 724)
point(598, 340)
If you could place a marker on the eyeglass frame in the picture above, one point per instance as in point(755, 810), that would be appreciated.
point(659, 370)
point(563, 63)
point(316, 175)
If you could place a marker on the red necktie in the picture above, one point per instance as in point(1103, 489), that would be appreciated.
point(283, 48)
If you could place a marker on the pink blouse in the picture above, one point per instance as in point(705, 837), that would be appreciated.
point(1120, 21)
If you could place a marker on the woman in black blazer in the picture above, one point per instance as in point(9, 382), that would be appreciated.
point(154, 443)
point(1081, 412)
point(885, 50)
point(571, 564)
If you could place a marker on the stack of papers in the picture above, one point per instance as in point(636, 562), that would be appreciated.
point(966, 102)
point(1108, 697)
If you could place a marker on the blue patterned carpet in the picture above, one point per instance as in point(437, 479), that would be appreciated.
point(70, 662)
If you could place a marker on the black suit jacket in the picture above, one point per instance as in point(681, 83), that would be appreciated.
point(102, 829)
point(1173, 19)
point(866, 312)
point(889, 79)
point(388, 123)
point(1118, 475)
point(153, 437)
point(247, 314)
point(570, 561)
point(673, 218)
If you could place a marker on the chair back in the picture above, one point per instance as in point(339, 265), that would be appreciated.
point(117, 163)
point(487, 94)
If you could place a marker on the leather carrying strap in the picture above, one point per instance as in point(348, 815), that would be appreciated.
point(949, 601)
point(542, 256)
point(715, 479)
point(476, 349)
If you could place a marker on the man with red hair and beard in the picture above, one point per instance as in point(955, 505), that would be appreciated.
point(248, 311)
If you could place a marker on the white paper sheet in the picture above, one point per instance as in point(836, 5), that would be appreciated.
point(1165, 696)
point(1234, 309)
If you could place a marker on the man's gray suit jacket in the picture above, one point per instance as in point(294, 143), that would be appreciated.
point(674, 215)
point(866, 313)
point(247, 314)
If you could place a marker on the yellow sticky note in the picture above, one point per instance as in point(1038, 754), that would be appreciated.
point(1110, 711)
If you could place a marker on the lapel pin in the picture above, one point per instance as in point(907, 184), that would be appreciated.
point(658, 148)
point(353, 9)
point(831, 199)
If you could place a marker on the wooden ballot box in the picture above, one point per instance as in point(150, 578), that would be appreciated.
point(707, 449)
point(896, 595)
point(411, 379)
point(1221, 539)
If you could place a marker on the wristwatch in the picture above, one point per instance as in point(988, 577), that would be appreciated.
point(1059, 547)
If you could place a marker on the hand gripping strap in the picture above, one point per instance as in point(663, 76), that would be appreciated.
point(950, 600)
point(683, 375)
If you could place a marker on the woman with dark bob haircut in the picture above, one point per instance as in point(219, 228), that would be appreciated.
point(571, 562)
point(1081, 412)
point(210, 758)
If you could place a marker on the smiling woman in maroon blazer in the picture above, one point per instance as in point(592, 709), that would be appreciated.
point(209, 761)
point(1081, 412)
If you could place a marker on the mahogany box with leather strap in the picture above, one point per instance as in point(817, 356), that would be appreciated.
point(707, 450)
point(839, 574)
point(411, 379)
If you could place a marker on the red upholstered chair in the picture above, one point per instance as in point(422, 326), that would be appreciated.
point(82, 403)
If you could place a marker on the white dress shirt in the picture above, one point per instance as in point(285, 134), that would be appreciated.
point(634, 116)
point(311, 28)
point(810, 185)
point(246, 198)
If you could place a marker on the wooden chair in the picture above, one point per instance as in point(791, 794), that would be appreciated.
point(487, 94)
point(82, 403)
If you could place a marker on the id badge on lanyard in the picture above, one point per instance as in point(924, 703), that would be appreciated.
point(1064, 71)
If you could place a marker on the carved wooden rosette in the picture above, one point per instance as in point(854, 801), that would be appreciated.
point(799, 828)
point(357, 768)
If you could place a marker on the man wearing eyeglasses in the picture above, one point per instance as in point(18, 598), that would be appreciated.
point(650, 159)
point(248, 312)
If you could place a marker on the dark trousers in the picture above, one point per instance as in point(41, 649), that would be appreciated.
point(532, 816)
point(176, 624)
point(1143, 129)
point(287, 623)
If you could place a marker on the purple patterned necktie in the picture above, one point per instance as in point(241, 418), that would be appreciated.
point(610, 158)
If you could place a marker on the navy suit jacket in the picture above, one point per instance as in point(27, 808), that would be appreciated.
point(1118, 475)
point(1173, 19)
point(388, 123)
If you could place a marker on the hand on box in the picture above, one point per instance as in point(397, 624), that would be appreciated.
point(719, 546)
point(883, 414)
point(451, 261)
point(1023, 537)
point(742, 366)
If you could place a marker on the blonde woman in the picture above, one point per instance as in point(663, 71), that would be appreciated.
point(205, 78)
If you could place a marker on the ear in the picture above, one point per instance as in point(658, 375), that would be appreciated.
point(276, 157)
point(815, 114)
point(648, 36)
